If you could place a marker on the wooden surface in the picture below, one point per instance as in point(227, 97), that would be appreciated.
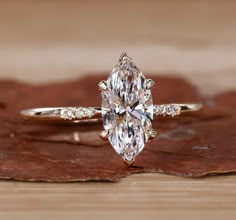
point(45, 41)
point(42, 41)
point(137, 197)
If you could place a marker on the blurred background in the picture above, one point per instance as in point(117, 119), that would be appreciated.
point(44, 41)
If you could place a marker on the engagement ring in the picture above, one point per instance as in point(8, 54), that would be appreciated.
point(127, 110)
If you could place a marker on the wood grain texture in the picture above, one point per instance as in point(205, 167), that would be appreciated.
point(49, 41)
point(189, 145)
point(138, 197)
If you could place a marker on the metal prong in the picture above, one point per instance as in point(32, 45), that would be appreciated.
point(105, 134)
point(102, 85)
point(150, 83)
point(124, 57)
point(152, 134)
point(128, 163)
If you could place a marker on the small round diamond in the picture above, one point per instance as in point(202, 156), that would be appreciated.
point(80, 113)
point(158, 109)
point(89, 112)
point(164, 109)
point(67, 113)
point(170, 110)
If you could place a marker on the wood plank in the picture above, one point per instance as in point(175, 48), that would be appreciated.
point(152, 196)
point(43, 41)
point(47, 41)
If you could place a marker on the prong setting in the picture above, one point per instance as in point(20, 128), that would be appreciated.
point(105, 134)
point(128, 162)
point(152, 134)
point(124, 57)
point(103, 85)
point(150, 83)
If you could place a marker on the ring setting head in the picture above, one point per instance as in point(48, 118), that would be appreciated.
point(127, 109)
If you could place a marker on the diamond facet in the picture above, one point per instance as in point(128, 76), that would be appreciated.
point(127, 109)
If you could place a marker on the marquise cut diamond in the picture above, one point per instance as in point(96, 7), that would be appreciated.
point(127, 109)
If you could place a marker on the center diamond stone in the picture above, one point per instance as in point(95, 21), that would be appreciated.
point(127, 110)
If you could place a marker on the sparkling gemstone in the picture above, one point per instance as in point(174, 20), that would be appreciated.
point(67, 113)
point(127, 110)
point(89, 112)
point(80, 113)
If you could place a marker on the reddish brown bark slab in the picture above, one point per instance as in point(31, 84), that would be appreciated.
point(195, 145)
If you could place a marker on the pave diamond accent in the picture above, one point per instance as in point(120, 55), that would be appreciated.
point(127, 109)
point(167, 110)
point(77, 113)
